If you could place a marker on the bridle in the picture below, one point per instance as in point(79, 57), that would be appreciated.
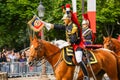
point(110, 45)
point(36, 60)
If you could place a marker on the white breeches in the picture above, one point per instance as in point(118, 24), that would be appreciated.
point(78, 56)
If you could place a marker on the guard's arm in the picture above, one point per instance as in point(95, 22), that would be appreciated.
point(53, 26)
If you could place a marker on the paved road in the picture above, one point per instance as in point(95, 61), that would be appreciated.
point(51, 77)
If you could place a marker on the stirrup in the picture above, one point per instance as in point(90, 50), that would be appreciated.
point(86, 78)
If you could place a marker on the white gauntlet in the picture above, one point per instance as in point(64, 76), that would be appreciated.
point(47, 25)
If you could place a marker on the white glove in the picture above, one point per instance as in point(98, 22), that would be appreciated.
point(61, 43)
point(47, 25)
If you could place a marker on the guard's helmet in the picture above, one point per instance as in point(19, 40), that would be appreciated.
point(85, 22)
point(66, 16)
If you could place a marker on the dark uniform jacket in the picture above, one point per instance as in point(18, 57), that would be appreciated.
point(87, 34)
point(71, 32)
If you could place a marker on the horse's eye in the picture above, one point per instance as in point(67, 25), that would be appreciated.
point(36, 48)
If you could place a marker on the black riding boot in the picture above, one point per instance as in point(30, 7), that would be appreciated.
point(85, 72)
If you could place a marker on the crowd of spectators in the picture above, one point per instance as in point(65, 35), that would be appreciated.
point(15, 64)
point(10, 56)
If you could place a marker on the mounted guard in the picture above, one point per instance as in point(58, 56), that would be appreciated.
point(72, 37)
point(86, 32)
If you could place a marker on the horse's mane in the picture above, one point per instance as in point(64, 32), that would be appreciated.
point(116, 44)
point(116, 41)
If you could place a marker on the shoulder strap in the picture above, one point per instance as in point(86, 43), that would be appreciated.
point(86, 31)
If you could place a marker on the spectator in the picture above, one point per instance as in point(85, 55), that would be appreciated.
point(17, 56)
point(12, 60)
point(5, 67)
point(0, 61)
point(4, 59)
point(0, 57)
point(22, 65)
point(22, 57)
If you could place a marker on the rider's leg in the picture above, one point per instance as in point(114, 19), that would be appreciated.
point(84, 69)
point(78, 56)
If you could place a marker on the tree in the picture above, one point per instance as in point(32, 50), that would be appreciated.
point(16, 13)
point(108, 12)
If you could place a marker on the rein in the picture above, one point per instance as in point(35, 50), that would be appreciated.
point(49, 57)
point(58, 61)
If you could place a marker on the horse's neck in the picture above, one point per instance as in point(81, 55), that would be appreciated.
point(117, 46)
point(52, 54)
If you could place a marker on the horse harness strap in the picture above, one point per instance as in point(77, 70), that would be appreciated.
point(58, 61)
point(56, 64)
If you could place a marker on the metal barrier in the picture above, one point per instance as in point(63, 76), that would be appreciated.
point(22, 69)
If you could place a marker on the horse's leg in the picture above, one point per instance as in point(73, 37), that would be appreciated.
point(111, 70)
point(112, 75)
point(80, 75)
point(64, 72)
point(69, 74)
point(100, 75)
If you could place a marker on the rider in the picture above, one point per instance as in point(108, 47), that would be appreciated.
point(86, 32)
point(73, 38)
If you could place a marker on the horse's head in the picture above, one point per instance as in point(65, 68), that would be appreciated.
point(36, 51)
point(108, 43)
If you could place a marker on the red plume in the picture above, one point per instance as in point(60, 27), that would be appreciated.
point(67, 5)
point(85, 16)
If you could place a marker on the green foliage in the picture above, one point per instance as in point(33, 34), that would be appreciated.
point(16, 13)
point(108, 14)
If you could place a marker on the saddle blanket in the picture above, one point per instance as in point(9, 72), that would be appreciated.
point(68, 57)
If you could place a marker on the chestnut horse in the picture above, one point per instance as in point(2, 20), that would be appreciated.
point(114, 45)
point(42, 49)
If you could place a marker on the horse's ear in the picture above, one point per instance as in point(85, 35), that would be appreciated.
point(103, 37)
point(110, 37)
point(35, 37)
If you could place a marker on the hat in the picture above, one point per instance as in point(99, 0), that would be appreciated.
point(66, 16)
point(85, 22)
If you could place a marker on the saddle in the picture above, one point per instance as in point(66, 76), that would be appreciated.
point(69, 57)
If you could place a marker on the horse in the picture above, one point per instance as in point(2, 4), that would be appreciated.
point(40, 49)
point(114, 45)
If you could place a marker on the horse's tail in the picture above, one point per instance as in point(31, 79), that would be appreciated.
point(118, 65)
